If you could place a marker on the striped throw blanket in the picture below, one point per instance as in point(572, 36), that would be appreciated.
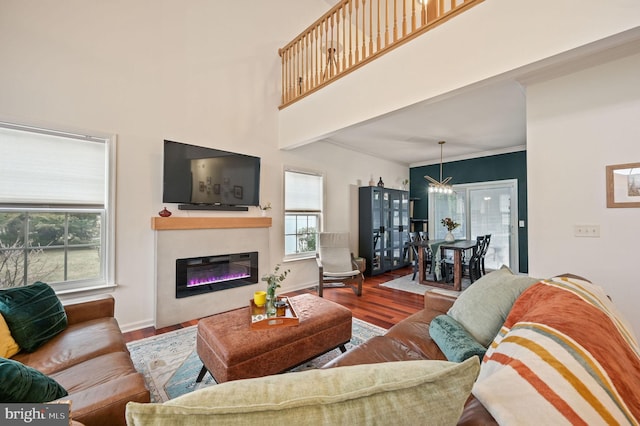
point(563, 356)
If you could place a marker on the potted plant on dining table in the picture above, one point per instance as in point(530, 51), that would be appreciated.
point(450, 224)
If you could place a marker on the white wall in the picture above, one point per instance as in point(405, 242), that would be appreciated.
point(207, 72)
point(576, 125)
point(491, 39)
point(201, 72)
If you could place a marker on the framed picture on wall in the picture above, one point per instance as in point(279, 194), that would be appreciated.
point(623, 185)
point(237, 192)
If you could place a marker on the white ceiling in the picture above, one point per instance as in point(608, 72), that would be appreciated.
point(486, 119)
point(480, 121)
point(475, 122)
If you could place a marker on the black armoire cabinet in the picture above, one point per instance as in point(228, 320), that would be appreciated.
point(384, 224)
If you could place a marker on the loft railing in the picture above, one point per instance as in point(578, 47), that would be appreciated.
point(353, 33)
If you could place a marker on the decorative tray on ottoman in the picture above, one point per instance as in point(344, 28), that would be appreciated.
point(260, 321)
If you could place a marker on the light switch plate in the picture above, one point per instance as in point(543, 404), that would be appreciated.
point(592, 231)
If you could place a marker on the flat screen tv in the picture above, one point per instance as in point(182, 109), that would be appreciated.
point(205, 178)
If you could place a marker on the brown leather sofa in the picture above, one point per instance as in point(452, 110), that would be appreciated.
point(410, 340)
point(91, 361)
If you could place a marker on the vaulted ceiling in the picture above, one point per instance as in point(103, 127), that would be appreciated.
point(478, 121)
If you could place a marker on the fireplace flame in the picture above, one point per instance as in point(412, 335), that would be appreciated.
point(204, 280)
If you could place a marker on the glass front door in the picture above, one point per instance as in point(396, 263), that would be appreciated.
point(490, 213)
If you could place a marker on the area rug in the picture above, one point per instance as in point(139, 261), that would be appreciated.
point(170, 364)
point(407, 284)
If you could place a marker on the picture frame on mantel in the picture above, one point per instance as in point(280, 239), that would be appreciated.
point(623, 185)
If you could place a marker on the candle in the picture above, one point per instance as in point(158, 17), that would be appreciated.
point(281, 308)
point(260, 298)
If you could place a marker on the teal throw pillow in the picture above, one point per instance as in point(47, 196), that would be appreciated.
point(33, 313)
point(483, 307)
point(453, 340)
point(21, 383)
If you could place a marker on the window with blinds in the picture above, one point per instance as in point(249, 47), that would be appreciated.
point(54, 208)
point(303, 203)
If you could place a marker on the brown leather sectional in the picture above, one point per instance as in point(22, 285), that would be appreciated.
point(410, 340)
point(91, 361)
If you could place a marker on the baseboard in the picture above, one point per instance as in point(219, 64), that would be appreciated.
point(125, 328)
point(300, 286)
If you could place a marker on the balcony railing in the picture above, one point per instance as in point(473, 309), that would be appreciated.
point(353, 33)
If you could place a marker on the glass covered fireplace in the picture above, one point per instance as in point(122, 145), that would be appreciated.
point(198, 275)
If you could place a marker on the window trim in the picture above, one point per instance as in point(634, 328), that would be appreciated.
point(320, 213)
point(108, 231)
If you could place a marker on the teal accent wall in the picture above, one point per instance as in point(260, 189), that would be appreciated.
point(485, 169)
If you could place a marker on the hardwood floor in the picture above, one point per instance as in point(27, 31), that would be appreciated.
point(378, 305)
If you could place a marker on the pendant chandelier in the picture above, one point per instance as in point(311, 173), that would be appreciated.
point(440, 186)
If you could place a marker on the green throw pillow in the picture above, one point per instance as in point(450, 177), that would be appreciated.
point(33, 313)
point(483, 307)
point(405, 392)
point(21, 383)
point(453, 340)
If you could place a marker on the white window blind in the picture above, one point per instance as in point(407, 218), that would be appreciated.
point(53, 169)
point(303, 191)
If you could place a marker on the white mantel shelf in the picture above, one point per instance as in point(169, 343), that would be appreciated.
point(182, 223)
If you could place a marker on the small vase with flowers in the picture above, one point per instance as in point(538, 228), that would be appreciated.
point(273, 282)
point(450, 224)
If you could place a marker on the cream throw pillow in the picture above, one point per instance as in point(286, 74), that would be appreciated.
point(8, 346)
point(405, 392)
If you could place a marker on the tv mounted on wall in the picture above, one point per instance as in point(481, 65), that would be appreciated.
point(200, 178)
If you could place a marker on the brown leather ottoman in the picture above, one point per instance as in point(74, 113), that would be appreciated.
point(231, 350)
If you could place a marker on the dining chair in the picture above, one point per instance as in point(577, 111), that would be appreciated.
point(471, 266)
point(415, 250)
point(485, 247)
point(412, 238)
point(428, 253)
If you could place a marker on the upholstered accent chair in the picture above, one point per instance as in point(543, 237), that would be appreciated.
point(336, 264)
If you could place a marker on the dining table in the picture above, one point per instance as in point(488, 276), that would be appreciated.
point(439, 247)
point(458, 248)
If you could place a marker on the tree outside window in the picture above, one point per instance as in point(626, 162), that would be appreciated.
point(303, 212)
point(54, 198)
